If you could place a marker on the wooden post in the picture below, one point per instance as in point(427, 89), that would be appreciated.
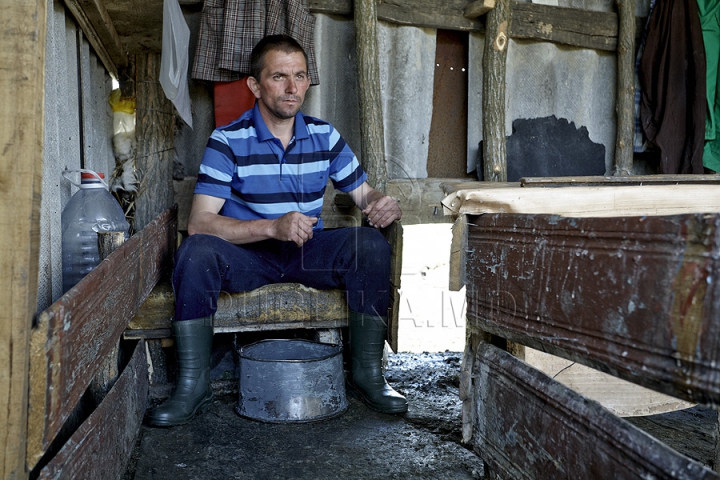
point(372, 140)
point(108, 242)
point(493, 96)
point(109, 370)
point(625, 106)
point(22, 80)
point(155, 133)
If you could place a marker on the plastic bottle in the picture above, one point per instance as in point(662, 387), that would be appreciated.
point(92, 209)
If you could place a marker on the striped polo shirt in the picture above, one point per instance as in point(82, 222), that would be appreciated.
point(259, 179)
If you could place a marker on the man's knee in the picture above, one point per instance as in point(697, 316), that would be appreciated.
point(196, 248)
point(372, 241)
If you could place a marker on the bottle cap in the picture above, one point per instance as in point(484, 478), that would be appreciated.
point(90, 176)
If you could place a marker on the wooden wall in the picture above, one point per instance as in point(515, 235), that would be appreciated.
point(78, 133)
point(22, 55)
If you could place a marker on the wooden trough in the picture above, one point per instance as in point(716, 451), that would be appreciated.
point(618, 278)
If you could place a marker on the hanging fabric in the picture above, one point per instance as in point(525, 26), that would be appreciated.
point(672, 78)
point(710, 21)
point(229, 29)
point(639, 140)
point(174, 60)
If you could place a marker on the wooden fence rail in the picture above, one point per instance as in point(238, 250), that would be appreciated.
point(636, 297)
point(79, 330)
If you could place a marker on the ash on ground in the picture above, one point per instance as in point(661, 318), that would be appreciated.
point(359, 444)
point(424, 443)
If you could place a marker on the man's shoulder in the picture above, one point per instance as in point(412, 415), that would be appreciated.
point(316, 125)
point(244, 121)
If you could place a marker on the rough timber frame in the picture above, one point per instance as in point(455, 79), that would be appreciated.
point(22, 81)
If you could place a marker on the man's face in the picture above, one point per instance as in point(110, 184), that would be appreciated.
point(283, 83)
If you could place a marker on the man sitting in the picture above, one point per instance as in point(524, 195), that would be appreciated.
point(255, 220)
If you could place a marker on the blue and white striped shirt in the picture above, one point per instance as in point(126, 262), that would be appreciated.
point(259, 179)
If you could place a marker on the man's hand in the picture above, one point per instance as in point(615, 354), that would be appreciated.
point(382, 212)
point(294, 227)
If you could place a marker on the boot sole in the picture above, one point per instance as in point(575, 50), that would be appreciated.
point(366, 400)
point(200, 408)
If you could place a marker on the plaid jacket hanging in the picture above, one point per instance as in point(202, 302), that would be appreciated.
point(229, 29)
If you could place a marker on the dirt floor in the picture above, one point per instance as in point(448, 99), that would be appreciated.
point(359, 444)
point(425, 443)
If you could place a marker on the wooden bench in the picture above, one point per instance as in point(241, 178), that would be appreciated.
point(281, 306)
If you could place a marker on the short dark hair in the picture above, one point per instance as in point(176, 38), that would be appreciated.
point(283, 43)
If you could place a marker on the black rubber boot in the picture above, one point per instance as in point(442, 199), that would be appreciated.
point(193, 342)
point(367, 342)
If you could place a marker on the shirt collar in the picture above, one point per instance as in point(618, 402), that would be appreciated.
point(263, 133)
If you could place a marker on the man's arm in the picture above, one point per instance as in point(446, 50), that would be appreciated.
point(205, 218)
point(381, 210)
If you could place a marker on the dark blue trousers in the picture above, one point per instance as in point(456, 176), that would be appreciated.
point(354, 259)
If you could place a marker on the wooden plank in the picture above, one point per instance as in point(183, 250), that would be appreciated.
point(448, 14)
point(96, 23)
point(331, 7)
point(282, 302)
point(634, 297)
point(530, 426)
point(111, 54)
point(23, 26)
point(420, 199)
point(569, 26)
point(103, 444)
point(84, 325)
point(620, 180)
point(477, 8)
point(587, 201)
point(394, 236)
point(458, 254)
point(157, 309)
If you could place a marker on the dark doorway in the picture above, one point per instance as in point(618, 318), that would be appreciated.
point(447, 148)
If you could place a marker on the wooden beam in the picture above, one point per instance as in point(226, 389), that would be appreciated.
point(372, 139)
point(494, 91)
point(625, 105)
point(530, 426)
point(105, 29)
point(634, 297)
point(155, 134)
point(331, 7)
point(102, 446)
point(420, 199)
point(477, 8)
point(97, 26)
point(448, 14)
point(620, 180)
point(458, 255)
point(394, 236)
point(568, 26)
point(23, 26)
point(78, 330)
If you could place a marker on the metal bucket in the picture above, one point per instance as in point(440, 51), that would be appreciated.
point(291, 381)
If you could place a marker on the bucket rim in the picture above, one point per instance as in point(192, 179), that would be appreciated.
point(337, 350)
